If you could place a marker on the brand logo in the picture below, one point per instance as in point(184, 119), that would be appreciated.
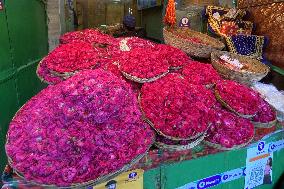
point(184, 22)
point(260, 146)
point(132, 175)
point(209, 182)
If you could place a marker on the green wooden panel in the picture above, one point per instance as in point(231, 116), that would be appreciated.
point(5, 56)
point(153, 23)
point(23, 38)
point(181, 173)
point(152, 179)
point(27, 30)
point(8, 107)
point(27, 83)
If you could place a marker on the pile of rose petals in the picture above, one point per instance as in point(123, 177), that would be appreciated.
point(78, 130)
point(143, 63)
point(136, 42)
point(175, 57)
point(265, 114)
point(177, 109)
point(228, 130)
point(239, 97)
point(200, 74)
point(88, 36)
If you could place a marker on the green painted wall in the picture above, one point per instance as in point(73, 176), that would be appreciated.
point(23, 42)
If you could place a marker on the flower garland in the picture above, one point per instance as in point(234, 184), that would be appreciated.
point(200, 74)
point(78, 130)
point(239, 97)
point(229, 130)
point(176, 108)
point(170, 16)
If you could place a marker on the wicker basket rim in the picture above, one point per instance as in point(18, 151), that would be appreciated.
point(216, 44)
point(41, 78)
point(76, 185)
point(215, 54)
point(219, 98)
point(219, 147)
point(143, 80)
point(264, 125)
point(91, 182)
point(190, 145)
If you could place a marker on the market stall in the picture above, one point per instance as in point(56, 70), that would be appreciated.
point(131, 113)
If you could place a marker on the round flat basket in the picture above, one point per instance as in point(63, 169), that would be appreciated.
point(188, 146)
point(264, 125)
point(254, 70)
point(161, 133)
point(218, 97)
point(88, 184)
point(179, 38)
point(143, 80)
point(219, 147)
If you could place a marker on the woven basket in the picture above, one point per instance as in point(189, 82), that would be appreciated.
point(161, 133)
point(219, 147)
point(264, 125)
point(190, 145)
point(218, 97)
point(85, 184)
point(143, 80)
point(40, 78)
point(255, 71)
point(200, 50)
point(78, 185)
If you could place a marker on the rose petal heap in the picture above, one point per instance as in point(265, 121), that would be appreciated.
point(136, 42)
point(229, 130)
point(177, 109)
point(175, 57)
point(200, 74)
point(143, 63)
point(78, 130)
point(88, 36)
point(72, 57)
point(265, 114)
point(239, 97)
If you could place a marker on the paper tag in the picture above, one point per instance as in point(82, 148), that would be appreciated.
point(127, 180)
point(258, 166)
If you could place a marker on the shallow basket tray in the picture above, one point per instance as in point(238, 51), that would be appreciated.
point(143, 80)
point(255, 71)
point(219, 98)
point(161, 133)
point(219, 147)
point(87, 184)
point(200, 50)
point(188, 146)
